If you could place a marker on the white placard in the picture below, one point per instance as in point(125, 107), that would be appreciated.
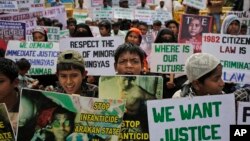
point(98, 52)
point(243, 117)
point(197, 118)
point(169, 57)
point(233, 52)
point(41, 55)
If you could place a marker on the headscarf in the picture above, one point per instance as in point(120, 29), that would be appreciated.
point(87, 33)
point(227, 21)
point(164, 31)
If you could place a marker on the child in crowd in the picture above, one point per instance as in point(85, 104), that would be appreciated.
point(231, 25)
point(71, 25)
point(9, 93)
point(147, 37)
point(134, 36)
point(25, 81)
point(71, 74)
point(156, 28)
point(116, 30)
point(39, 34)
point(9, 84)
point(204, 73)
point(129, 59)
point(174, 26)
point(105, 28)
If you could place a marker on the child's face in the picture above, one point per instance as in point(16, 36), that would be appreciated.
point(104, 31)
point(195, 27)
point(133, 38)
point(233, 28)
point(71, 80)
point(71, 27)
point(213, 84)
point(143, 29)
point(129, 63)
point(38, 37)
point(6, 88)
point(156, 27)
point(173, 28)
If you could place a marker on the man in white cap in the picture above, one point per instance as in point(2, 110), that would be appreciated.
point(204, 73)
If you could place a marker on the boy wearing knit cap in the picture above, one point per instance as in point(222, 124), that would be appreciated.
point(204, 73)
point(71, 72)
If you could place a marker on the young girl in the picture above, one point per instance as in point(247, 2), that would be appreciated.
point(39, 35)
point(173, 26)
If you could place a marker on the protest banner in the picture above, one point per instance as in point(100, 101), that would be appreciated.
point(100, 13)
point(123, 13)
point(169, 57)
point(58, 12)
point(53, 34)
point(136, 90)
point(68, 117)
point(98, 52)
point(6, 130)
point(196, 118)
point(30, 25)
point(80, 16)
point(191, 29)
point(199, 4)
point(8, 6)
point(131, 3)
point(144, 15)
point(162, 16)
point(41, 55)
point(243, 116)
point(24, 5)
point(243, 16)
point(11, 31)
point(37, 5)
point(233, 53)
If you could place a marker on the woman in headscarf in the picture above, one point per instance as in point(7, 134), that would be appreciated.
point(82, 30)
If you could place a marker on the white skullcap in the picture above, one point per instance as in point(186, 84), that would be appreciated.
point(200, 64)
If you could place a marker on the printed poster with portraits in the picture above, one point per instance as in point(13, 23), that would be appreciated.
point(45, 115)
point(191, 29)
point(6, 130)
point(136, 90)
